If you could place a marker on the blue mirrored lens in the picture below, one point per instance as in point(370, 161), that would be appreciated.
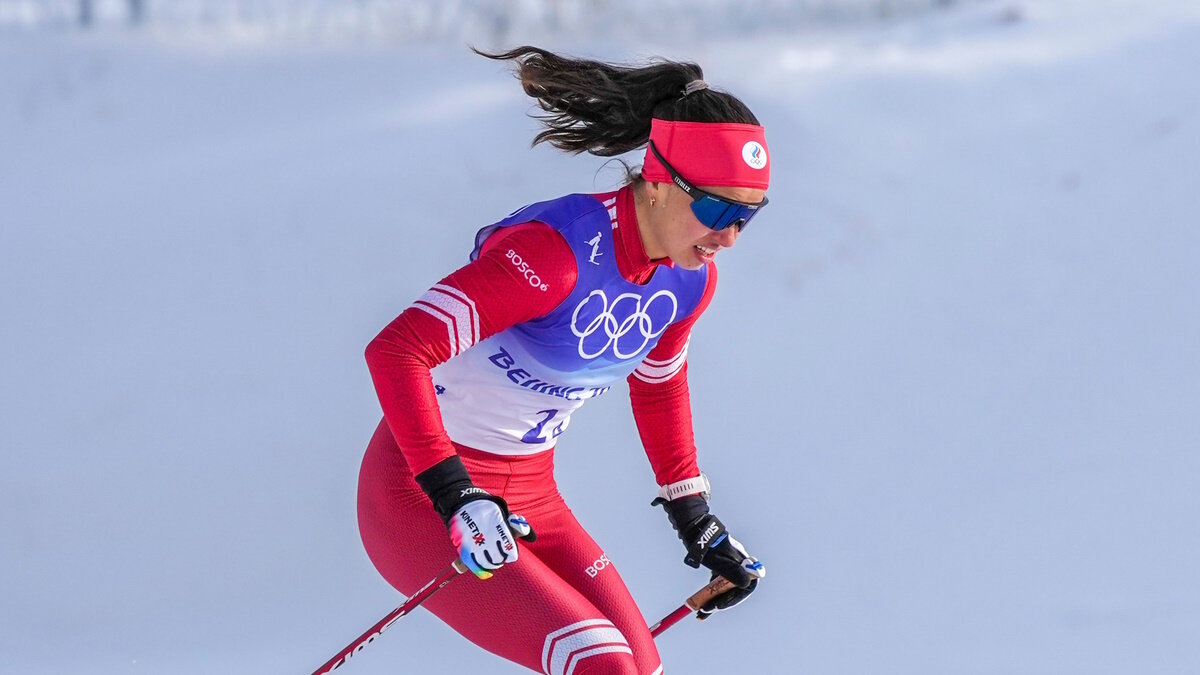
point(719, 214)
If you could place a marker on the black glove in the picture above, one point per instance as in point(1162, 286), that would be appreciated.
point(709, 544)
point(481, 526)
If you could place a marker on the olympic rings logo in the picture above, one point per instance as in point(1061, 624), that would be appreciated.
point(637, 322)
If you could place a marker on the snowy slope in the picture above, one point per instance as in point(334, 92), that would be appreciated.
point(947, 390)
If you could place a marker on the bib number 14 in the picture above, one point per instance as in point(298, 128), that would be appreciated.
point(543, 431)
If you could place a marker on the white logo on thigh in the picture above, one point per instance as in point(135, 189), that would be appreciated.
point(598, 566)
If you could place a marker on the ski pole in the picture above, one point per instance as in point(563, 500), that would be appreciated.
point(699, 599)
point(695, 602)
point(436, 584)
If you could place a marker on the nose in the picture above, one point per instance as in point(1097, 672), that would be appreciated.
point(729, 235)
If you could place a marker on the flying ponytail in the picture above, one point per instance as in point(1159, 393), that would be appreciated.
point(606, 109)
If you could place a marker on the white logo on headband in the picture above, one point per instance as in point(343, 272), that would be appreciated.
point(754, 154)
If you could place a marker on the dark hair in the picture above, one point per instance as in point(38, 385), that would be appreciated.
point(605, 108)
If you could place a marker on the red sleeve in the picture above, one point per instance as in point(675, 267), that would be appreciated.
point(471, 304)
point(658, 391)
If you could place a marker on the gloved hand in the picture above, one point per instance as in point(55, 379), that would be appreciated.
point(481, 526)
point(709, 544)
point(482, 530)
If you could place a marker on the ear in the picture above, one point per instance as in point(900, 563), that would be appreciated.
point(656, 192)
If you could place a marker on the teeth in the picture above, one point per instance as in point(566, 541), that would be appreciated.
point(708, 251)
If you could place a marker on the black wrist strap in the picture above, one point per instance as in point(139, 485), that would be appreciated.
point(698, 529)
point(683, 512)
point(448, 485)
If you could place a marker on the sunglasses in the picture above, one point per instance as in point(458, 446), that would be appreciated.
point(716, 213)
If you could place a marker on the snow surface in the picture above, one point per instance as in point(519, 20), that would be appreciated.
point(949, 389)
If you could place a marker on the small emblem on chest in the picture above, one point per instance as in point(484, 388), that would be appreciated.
point(594, 242)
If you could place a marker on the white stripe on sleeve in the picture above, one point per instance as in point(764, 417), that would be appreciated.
point(453, 308)
point(653, 371)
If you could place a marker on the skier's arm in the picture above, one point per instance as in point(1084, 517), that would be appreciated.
point(658, 390)
point(475, 302)
point(662, 409)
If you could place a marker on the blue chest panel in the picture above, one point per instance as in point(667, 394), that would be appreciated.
point(607, 325)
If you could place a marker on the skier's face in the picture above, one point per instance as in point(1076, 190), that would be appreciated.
point(677, 233)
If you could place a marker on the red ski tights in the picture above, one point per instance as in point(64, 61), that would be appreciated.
point(561, 609)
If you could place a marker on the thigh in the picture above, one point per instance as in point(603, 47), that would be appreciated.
point(528, 615)
point(525, 613)
point(571, 555)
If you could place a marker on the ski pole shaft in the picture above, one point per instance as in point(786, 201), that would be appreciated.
point(436, 584)
point(699, 599)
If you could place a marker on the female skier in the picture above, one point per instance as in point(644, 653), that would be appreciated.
point(480, 375)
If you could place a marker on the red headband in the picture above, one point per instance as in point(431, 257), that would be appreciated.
point(709, 153)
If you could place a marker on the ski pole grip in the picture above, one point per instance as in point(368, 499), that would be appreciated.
point(713, 589)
